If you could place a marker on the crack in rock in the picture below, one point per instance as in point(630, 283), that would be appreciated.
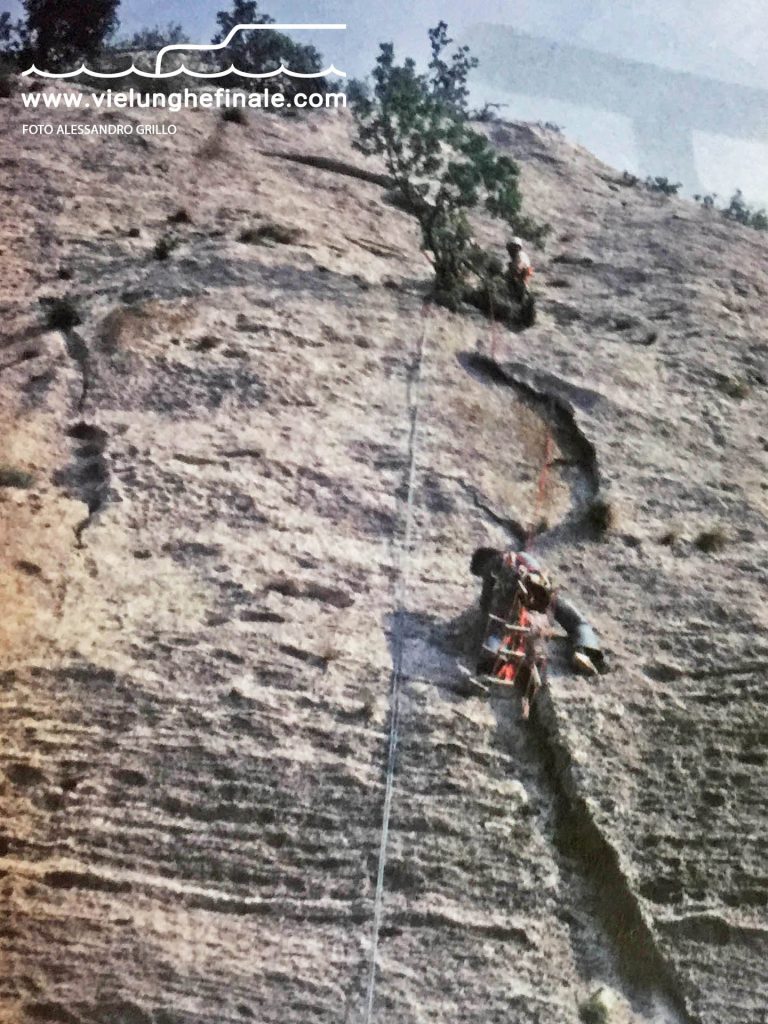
point(552, 400)
point(326, 163)
point(548, 393)
point(77, 351)
point(513, 526)
point(88, 475)
point(646, 975)
point(668, 673)
point(608, 913)
point(715, 930)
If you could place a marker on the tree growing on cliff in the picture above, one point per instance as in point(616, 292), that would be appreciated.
point(63, 33)
point(156, 38)
point(739, 210)
point(442, 168)
point(12, 42)
point(260, 51)
point(12, 36)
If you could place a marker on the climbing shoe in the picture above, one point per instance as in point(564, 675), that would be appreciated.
point(582, 663)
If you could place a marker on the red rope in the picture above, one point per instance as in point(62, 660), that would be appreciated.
point(542, 484)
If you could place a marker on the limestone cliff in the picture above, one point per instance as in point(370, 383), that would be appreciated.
point(206, 582)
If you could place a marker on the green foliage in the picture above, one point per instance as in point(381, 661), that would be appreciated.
point(7, 78)
point(441, 167)
point(487, 113)
point(653, 184)
point(734, 387)
point(13, 54)
point(712, 540)
point(14, 38)
point(141, 50)
point(260, 51)
point(62, 314)
point(357, 90)
point(663, 185)
point(449, 77)
point(737, 210)
point(164, 247)
point(593, 1012)
point(234, 115)
point(64, 34)
point(155, 38)
point(270, 233)
point(602, 516)
point(6, 29)
point(10, 476)
point(630, 180)
point(742, 213)
point(601, 1007)
point(8, 33)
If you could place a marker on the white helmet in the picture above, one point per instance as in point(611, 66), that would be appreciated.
point(516, 242)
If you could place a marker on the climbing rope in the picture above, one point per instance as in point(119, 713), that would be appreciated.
point(542, 487)
point(398, 645)
point(398, 637)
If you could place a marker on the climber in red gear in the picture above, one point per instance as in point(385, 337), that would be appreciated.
point(500, 572)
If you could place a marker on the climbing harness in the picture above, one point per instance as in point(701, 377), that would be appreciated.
point(516, 659)
point(517, 643)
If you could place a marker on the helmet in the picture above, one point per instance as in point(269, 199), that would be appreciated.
point(515, 243)
point(483, 559)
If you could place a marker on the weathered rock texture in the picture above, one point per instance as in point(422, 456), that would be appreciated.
point(205, 586)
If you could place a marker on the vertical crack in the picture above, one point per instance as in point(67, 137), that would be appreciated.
point(78, 353)
point(87, 477)
point(647, 978)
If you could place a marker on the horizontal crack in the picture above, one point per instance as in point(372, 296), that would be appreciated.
point(714, 930)
point(668, 673)
point(326, 163)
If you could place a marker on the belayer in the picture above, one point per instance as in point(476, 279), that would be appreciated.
point(500, 572)
point(519, 270)
point(517, 277)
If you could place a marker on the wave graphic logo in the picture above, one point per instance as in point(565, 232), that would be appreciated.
point(183, 70)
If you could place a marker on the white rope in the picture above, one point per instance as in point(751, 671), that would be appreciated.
point(397, 670)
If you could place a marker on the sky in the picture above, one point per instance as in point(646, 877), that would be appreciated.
point(644, 68)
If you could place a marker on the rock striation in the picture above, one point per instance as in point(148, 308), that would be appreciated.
point(239, 488)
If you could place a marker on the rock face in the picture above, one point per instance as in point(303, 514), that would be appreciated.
point(239, 564)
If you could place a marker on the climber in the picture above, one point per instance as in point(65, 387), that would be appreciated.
point(519, 270)
point(500, 571)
